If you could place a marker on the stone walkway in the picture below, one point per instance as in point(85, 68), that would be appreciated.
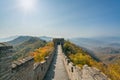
point(57, 70)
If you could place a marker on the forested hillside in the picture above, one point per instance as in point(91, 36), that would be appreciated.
point(106, 49)
point(19, 40)
point(40, 53)
point(25, 48)
point(80, 57)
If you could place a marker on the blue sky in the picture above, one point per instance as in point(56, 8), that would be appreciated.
point(61, 18)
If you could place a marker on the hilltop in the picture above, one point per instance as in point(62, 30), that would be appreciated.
point(25, 46)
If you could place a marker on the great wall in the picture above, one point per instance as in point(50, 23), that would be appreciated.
point(86, 73)
point(27, 69)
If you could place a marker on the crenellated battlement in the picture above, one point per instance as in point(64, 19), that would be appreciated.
point(27, 69)
point(5, 46)
point(16, 65)
point(84, 73)
point(5, 61)
point(41, 68)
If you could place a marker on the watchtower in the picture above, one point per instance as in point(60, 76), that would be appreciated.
point(58, 41)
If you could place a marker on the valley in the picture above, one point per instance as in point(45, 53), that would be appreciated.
point(106, 50)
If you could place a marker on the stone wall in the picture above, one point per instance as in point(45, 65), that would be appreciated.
point(23, 69)
point(27, 69)
point(40, 69)
point(5, 61)
point(86, 73)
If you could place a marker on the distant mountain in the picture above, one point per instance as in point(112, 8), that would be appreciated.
point(28, 45)
point(8, 38)
point(109, 39)
point(97, 42)
point(87, 42)
point(46, 38)
point(116, 45)
point(107, 49)
point(19, 40)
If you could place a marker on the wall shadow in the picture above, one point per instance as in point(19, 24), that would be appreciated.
point(50, 73)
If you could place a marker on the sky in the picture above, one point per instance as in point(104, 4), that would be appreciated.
point(60, 18)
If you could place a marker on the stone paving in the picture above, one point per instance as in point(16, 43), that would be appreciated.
point(57, 70)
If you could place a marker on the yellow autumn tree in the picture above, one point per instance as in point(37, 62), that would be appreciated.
point(41, 53)
point(80, 57)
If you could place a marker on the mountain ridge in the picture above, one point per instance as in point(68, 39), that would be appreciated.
point(24, 48)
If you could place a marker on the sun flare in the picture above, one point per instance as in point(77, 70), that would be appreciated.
point(27, 5)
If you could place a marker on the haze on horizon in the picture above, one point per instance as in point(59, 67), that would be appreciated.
point(60, 18)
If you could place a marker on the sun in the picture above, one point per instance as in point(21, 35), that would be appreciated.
point(27, 5)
